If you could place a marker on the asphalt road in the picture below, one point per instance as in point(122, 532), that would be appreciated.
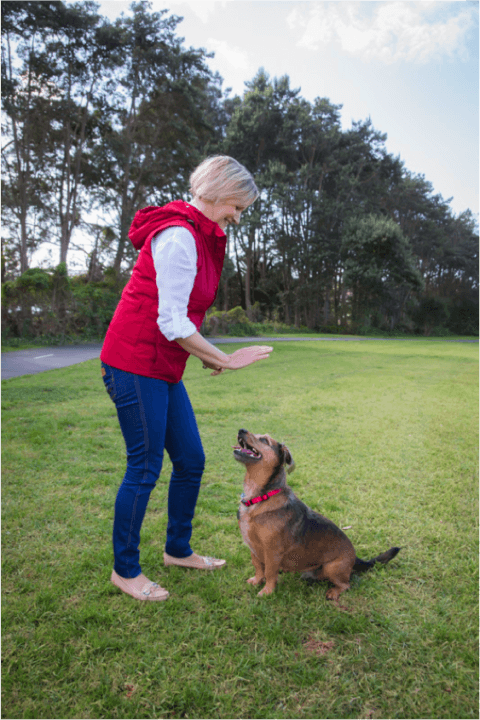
point(30, 362)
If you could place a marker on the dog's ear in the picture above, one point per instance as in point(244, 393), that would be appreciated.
point(287, 458)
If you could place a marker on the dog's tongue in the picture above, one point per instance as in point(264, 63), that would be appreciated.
point(243, 450)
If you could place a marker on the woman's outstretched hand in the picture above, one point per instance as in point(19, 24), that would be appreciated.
point(247, 356)
point(242, 358)
point(218, 361)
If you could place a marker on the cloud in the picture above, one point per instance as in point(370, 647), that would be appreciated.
point(388, 31)
point(233, 55)
point(203, 9)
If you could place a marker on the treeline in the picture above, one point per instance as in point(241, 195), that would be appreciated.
point(101, 119)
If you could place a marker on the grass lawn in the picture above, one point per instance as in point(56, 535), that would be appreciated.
point(385, 440)
point(14, 345)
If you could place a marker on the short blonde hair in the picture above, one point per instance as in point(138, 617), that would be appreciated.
point(221, 177)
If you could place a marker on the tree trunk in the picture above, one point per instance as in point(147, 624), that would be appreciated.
point(248, 303)
point(23, 240)
point(248, 274)
point(239, 272)
point(225, 284)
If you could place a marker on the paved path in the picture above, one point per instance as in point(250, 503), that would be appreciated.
point(30, 362)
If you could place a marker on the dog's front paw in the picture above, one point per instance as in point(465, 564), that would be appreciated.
point(255, 580)
point(266, 590)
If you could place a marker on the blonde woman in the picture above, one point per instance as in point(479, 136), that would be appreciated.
point(152, 333)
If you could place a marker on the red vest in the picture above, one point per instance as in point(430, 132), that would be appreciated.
point(133, 341)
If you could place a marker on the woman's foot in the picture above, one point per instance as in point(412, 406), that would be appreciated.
point(198, 562)
point(140, 588)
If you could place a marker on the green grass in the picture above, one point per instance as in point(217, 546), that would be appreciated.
point(10, 344)
point(384, 436)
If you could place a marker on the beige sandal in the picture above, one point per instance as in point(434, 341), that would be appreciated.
point(197, 562)
point(140, 588)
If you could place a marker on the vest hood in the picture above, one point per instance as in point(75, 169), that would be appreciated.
point(152, 219)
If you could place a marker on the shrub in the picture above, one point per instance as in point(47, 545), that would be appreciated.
point(48, 303)
point(430, 314)
point(232, 322)
point(463, 318)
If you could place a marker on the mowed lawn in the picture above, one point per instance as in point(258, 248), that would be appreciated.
point(384, 435)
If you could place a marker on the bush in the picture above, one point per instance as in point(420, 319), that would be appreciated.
point(236, 322)
point(430, 314)
point(269, 328)
point(463, 318)
point(242, 330)
point(331, 330)
point(233, 322)
point(93, 307)
point(43, 303)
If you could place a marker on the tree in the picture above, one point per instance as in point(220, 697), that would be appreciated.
point(163, 117)
point(25, 27)
point(379, 268)
point(65, 53)
point(264, 128)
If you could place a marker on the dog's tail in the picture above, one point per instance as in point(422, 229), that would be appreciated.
point(383, 558)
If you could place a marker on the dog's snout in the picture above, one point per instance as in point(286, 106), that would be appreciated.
point(242, 432)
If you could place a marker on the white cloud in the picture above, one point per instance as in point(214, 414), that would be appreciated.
point(387, 31)
point(226, 51)
point(203, 9)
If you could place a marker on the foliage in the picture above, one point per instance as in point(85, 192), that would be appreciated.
point(96, 113)
point(232, 322)
point(160, 119)
point(431, 312)
point(379, 266)
point(109, 117)
point(41, 303)
point(463, 316)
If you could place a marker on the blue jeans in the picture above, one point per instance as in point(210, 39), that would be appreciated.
point(154, 415)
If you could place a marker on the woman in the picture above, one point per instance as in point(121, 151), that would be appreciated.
point(151, 335)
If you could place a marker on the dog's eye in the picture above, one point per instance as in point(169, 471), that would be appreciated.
point(264, 440)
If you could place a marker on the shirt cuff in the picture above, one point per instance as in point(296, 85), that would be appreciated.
point(178, 327)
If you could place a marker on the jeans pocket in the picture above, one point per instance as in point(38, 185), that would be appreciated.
point(109, 381)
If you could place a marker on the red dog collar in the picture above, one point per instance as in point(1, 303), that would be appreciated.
point(261, 498)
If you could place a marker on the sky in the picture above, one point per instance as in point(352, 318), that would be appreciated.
point(412, 67)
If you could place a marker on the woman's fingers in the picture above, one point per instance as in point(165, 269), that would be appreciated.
point(246, 356)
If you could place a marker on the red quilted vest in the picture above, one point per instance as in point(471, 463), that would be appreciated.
point(133, 341)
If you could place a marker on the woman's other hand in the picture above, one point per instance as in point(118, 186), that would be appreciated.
point(216, 369)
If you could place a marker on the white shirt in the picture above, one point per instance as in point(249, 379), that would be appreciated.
point(175, 259)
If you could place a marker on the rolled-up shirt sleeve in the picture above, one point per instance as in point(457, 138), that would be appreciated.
point(175, 258)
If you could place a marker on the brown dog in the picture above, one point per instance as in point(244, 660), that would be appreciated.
point(281, 531)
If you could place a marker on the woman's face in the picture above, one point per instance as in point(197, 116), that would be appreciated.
point(224, 212)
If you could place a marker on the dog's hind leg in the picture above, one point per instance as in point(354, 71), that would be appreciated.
point(338, 572)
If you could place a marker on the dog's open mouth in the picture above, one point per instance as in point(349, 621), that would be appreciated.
point(243, 450)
